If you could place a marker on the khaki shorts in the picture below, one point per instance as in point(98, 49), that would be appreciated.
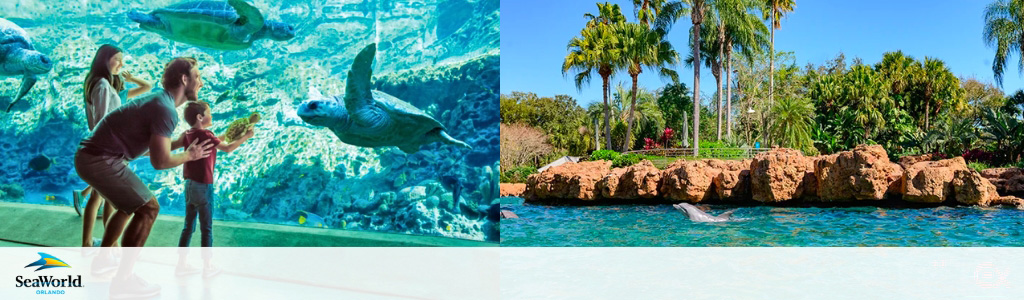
point(111, 176)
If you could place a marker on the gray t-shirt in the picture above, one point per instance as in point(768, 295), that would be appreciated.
point(125, 132)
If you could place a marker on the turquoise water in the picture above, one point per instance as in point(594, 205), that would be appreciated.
point(662, 225)
point(439, 56)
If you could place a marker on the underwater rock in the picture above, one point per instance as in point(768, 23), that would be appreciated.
point(781, 175)
point(567, 181)
point(637, 181)
point(864, 173)
point(11, 191)
point(930, 181)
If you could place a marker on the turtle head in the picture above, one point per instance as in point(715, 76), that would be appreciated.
point(37, 63)
point(323, 112)
point(279, 31)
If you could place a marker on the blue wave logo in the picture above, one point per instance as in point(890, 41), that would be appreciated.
point(47, 261)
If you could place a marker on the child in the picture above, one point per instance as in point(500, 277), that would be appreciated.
point(199, 185)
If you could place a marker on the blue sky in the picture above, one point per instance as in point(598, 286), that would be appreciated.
point(534, 35)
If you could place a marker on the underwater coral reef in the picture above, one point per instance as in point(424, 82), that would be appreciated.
point(440, 56)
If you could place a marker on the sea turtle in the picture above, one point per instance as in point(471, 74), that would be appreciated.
point(19, 58)
point(371, 118)
point(232, 25)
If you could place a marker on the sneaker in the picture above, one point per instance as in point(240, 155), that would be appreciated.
point(185, 270)
point(132, 287)
point(211, 271)
point(104, 263)
point(77, 195)
point(97, 242)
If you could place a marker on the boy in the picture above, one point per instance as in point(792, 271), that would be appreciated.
point(199, 184)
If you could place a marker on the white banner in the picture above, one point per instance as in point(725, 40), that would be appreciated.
point(249, 273)
point(762, 273)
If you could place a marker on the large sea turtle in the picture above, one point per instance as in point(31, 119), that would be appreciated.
point(232, 25)
point(19, 58)
point(371, 118)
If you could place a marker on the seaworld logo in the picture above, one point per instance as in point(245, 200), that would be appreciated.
point(47, 261)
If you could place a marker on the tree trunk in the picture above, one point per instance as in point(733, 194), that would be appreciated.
point(927, 109)
point(607, 114)
point(771, 66)
point(629, 120)
point(728, 91)
point(686, 130)
point(697, 17)
point(597, 135)
point(718, 75)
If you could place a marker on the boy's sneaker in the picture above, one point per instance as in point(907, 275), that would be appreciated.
point(96, 242)
point(132, 287)
point(211, 272)
point(104, 263)
point(185, 270)
point(77, 195)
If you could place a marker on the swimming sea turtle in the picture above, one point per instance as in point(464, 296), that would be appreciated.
point(232, 25)
point(371, 118)
point(19, 58)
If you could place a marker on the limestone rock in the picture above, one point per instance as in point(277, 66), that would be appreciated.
point(781, 175)
point(733, 183)
point(931, 181)
point(567, 181)
point(1008, 181)
point(512, 189)
point(637, 181)
point(972, 189)
point(865, 173)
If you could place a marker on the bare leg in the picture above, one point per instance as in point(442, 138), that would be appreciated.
point(91, 209)
point(142, 222)
point(108, 210)
point(114, 228)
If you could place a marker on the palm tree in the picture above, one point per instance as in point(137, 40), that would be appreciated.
point(642, 47)
point(744, 32)
point(774, 10)
point(792, 123)
point(1004, 29)
point(597, 49)
point(940, 86)
point(697, 8)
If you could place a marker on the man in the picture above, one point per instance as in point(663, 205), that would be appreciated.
point(143, 125)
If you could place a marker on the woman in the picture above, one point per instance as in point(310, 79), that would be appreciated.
point(103, 93)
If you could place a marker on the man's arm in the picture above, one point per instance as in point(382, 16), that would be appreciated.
point(161, 157)
point(178, 143)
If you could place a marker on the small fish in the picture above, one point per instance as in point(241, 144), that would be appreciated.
point(449, 227)
point(452, 183)
point(51, 198)
point(40, 163)
point(310, 219)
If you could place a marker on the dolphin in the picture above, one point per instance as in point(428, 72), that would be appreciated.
point(697, 215)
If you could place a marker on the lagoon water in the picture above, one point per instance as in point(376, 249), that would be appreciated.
point(440, 56)
point(662, 225)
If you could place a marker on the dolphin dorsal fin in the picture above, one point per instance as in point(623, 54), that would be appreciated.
point(727, 214)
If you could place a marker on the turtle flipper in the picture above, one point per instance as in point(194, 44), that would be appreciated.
point(26, 85)
point(250, 19)
point(146, 21)
point(358, 86)
point(447, 139)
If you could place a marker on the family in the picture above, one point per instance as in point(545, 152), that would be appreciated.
point(122, 131)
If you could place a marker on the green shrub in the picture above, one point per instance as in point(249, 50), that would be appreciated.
point(627, 160)
point(978, 166)
point(604, 155)
point(517, 174)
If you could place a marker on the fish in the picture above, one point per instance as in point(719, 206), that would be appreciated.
point(454, 184)
point(50, 198)
point(40, 163)
point(312, 220)
point(448, 228)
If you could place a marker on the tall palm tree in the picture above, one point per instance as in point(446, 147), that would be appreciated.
point(792, 123)
point(940, 86)
point(597, 49)
point(697, 8)
point(1004, 29)
point(744, 32)
point(643, 47)
point(774, 10)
